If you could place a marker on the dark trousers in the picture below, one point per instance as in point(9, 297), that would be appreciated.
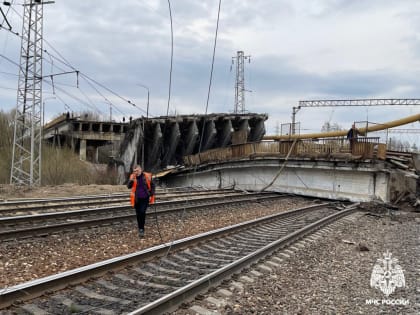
point(141, 207)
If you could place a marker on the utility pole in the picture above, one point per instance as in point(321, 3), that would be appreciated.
point(240, 82)
point(110, 112)
point(26, 156)
point(147, 117)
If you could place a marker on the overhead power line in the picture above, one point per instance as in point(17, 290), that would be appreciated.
point(64, 61)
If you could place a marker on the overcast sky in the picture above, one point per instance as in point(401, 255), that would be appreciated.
point(300, 50)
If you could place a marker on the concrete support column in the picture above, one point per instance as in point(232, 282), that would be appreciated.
point(257, 130)
point(190, 138)
point(82, 150)
point(209, 135)
point(171, 140)
point(96, 154)
point(154, 148)
point(243, 125)
point(224, 133)
point(240, 135)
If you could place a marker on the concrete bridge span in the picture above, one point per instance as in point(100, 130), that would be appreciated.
point(332, 179)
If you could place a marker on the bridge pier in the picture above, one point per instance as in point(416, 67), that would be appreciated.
point(170, 142)
point(189, 138)
point(82, 150)
point(224, 132)
point(209, 135)
point(153, 146)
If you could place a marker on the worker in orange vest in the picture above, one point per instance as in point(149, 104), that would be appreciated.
point(142, 193)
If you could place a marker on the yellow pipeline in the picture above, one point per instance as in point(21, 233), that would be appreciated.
point(340, 133)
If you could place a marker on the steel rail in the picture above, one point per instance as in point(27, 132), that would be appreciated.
point(54, 203)
point(176, 191)
point(171, 301)
point(88, 198)
point(83, 223)
point(17, 202)
point(79, 214)
point(36, 288)
point(35, 199)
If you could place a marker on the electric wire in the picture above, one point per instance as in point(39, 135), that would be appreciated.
point(103, 96)
point(112, 92)
point(8, 9)
point(172, 57)
point(90, 101)
point(183, 213)
point(57, 88)
point(211, 75)
point(74, 97)
point(66, 106)
point(10, 31)
point(64, 61)
point(167, 111)
point(5, 44)
point(92, 106)
point(5, 19)
point(67, 63)
point(169, 98)
point(87, 81)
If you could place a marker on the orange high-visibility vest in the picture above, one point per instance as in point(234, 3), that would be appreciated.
point(148, 177)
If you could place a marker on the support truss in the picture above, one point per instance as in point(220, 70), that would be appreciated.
point(26, 160)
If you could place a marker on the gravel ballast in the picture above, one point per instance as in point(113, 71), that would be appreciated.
point(331, 275)
point(35, 258)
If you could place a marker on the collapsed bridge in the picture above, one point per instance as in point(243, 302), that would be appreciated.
point(157, 143)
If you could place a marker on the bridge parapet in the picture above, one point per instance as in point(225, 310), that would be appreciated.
point(364, 148)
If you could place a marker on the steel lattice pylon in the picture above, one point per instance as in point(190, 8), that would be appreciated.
point(26, 158)
point(240, 82)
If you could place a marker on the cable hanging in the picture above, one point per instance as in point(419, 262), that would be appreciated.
point(211, 76)
point(214, 51)
point(172, 57)
point(281, 168)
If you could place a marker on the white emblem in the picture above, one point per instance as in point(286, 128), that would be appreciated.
point(387, 275)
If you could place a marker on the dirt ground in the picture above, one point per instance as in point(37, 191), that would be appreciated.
point(11, 192)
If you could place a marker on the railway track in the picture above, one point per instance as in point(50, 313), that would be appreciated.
point(48, 205)
point(16, 227)
point(160, 278)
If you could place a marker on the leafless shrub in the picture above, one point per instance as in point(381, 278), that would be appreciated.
point(59, 165)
